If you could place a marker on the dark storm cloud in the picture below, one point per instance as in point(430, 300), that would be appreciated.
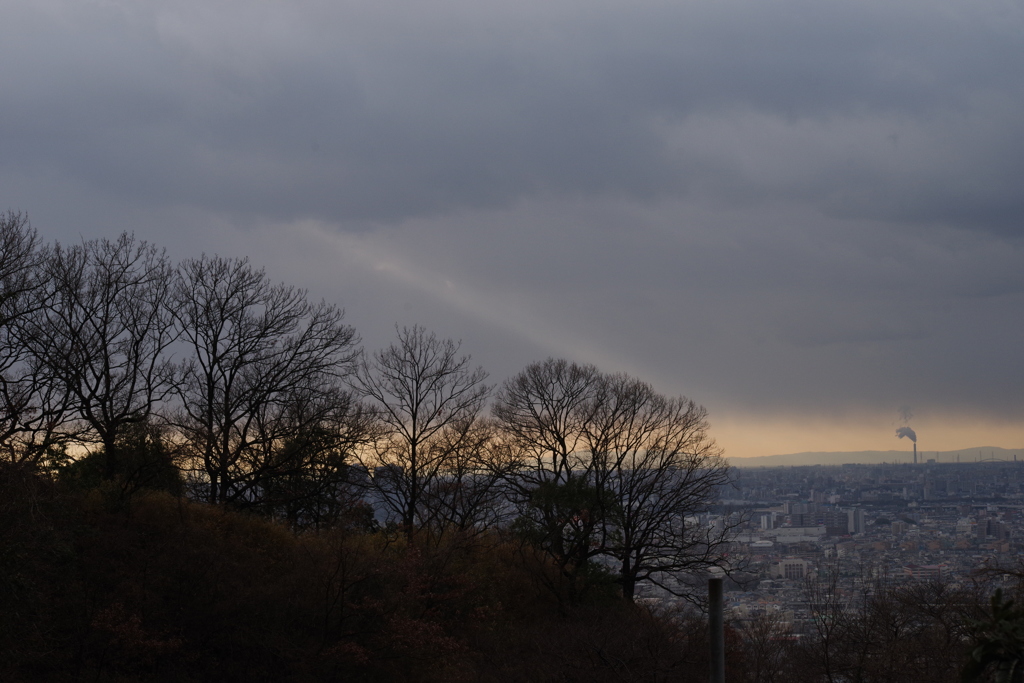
point(789, 205)
point(380, 111)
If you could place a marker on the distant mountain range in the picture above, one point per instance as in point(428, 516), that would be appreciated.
point(876, 457)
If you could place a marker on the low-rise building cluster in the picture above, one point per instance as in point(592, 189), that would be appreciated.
point(864, 526)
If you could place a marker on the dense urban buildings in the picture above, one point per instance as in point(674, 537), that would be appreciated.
point(865, 526)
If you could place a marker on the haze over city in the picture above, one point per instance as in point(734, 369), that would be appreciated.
point(805, 216)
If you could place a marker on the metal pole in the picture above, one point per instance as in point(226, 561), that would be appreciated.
point(716, 621)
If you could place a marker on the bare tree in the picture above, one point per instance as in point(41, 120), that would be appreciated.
point(307, 458)
point(21, 273)
point(611, 468)
point(880, 631)
point(767, 644)
point(37, 416)
point(828, 609)
point(657, 470)
point(100, 333)
point(545, 414)
point(467, 498)
point(428, 398)
point(264, 371)
point(30, 410)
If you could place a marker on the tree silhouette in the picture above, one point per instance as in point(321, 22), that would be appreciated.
point(99, 334)
point(609, 467)
point(998, 644)
point(428, 399)
point(264, 370)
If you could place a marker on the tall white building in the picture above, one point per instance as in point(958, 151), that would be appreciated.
point(855, 521)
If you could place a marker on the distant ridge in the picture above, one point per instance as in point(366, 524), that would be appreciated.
point(982, 453)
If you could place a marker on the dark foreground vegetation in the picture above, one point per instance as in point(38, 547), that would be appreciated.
point(97, 586)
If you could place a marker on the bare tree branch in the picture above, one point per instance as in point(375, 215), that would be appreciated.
point(609, 467)
point(265, 367)
point(428, 398)
point(32, 409)
point(100, 333)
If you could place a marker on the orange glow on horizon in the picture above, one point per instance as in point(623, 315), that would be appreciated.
point(751, 436)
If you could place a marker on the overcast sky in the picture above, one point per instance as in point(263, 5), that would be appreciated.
point(804, 215)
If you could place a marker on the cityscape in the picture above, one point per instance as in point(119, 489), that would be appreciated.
point(866, 524)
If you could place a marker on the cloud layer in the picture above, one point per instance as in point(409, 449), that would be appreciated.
point(778, 208)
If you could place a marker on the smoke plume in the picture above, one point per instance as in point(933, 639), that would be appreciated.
point(906, 432)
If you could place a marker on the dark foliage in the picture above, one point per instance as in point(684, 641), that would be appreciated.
point(165, 589)
point(145, 462)
point(168, 589)
point(998, 652)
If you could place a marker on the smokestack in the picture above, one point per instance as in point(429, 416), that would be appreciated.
point(909, 433)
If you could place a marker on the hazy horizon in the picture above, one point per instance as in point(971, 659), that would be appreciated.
point(962, 456)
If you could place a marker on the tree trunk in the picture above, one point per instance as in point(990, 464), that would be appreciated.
point(110, 458)
point(628, 581)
